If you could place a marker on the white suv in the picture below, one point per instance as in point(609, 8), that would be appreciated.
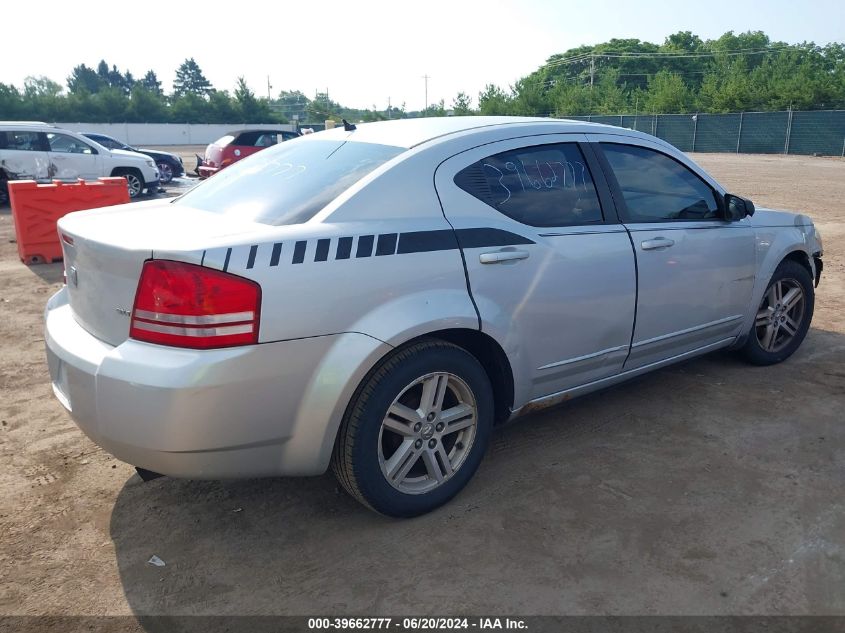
point(37, 151)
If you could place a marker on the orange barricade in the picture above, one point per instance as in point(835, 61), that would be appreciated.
point(36, 209)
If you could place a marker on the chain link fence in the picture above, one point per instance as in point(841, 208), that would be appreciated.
point(815, 132)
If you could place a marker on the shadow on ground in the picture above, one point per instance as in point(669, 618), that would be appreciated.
point(710, 487)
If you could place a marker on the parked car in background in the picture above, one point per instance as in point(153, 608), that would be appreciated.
point(36, 151)
point(169, 165)
point(236, 145)
point(374, 300)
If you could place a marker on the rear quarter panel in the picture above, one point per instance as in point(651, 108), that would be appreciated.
point(358, 266)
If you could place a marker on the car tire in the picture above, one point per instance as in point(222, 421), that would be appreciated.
point(165, 171)
point(783, 317)
point(437, 448)
point(134, 180)
point(4, 191)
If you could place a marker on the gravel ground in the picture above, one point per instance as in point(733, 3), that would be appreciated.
point(710, 487)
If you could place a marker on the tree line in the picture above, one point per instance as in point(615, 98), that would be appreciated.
point(733, 73)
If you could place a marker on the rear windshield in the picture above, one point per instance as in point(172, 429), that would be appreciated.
point(223, 141)
point(290, 182)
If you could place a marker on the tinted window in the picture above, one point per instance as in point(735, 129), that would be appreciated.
point(67, 144)
point(266, 140)
point(106, 141)
point(544, 185)
point(256, 138)
point(657, 188)
point(21, 141)
point(290, 182)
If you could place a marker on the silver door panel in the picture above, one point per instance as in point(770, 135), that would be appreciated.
point(692, 293)
point(563, 313)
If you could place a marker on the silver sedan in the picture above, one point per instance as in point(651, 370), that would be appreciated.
point(376, 299)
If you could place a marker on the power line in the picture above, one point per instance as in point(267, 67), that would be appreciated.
point(668, 54)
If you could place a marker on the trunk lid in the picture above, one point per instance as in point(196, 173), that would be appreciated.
point(105, 249)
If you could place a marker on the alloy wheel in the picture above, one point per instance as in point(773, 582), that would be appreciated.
point(427, 433)
point(134, 184)
point(780, 315)
point(166, 172)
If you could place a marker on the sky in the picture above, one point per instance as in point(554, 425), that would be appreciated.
point(367, 53)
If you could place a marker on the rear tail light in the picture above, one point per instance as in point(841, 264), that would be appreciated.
point(185, 305)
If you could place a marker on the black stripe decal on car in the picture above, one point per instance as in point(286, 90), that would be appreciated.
point(277, 252)
point(365, 246)
point(391, 244)
point(386, 244)
point(427, 241)
point(478, 238)
point(299, 252)
point(322, 253)
point(344, 248)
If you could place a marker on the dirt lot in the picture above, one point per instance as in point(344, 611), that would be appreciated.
point(710, 487)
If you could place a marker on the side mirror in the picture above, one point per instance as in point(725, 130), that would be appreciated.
point(737, 208)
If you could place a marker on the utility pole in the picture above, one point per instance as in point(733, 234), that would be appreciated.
point(592, 70)
point(388, 107)
point(425, 110)
point(269, 88)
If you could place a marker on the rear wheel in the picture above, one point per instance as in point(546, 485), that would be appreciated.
point(783, 316)
point(416, 430)
point(134, 180)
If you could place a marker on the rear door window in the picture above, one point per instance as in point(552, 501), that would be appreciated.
point(542, 185)
point(23, 141)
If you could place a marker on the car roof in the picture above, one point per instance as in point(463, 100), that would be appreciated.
point(413, 132)
point(27, 124)
point(259, 130)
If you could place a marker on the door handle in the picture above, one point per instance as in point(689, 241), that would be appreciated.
point(656, 243)
point(502, 256)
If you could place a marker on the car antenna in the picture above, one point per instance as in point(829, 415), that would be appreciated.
point(349, 127)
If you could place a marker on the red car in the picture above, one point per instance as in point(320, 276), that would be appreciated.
point(235, 146)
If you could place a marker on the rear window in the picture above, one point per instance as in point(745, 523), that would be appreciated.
point(290, 182)
point(223, 141)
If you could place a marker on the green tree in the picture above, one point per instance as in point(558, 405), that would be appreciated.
point(667, 92)
point(145, 105)
point(190, 108)
point(568, 99)
point(436, 109)
point(252, 110)
point(112, 104)
point(292, 103)
point(190, 80)
point(84, 78)
point(493, 101)
point(462, 104)
point(222, 108)
point(151, 83)
point(11, 102)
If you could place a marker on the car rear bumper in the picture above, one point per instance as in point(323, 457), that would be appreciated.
point(259, 410)
point(206, 172)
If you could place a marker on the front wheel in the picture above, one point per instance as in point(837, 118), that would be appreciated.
point(134, 181)
point(165, 171)
point(416, 430)
point(784, 315)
